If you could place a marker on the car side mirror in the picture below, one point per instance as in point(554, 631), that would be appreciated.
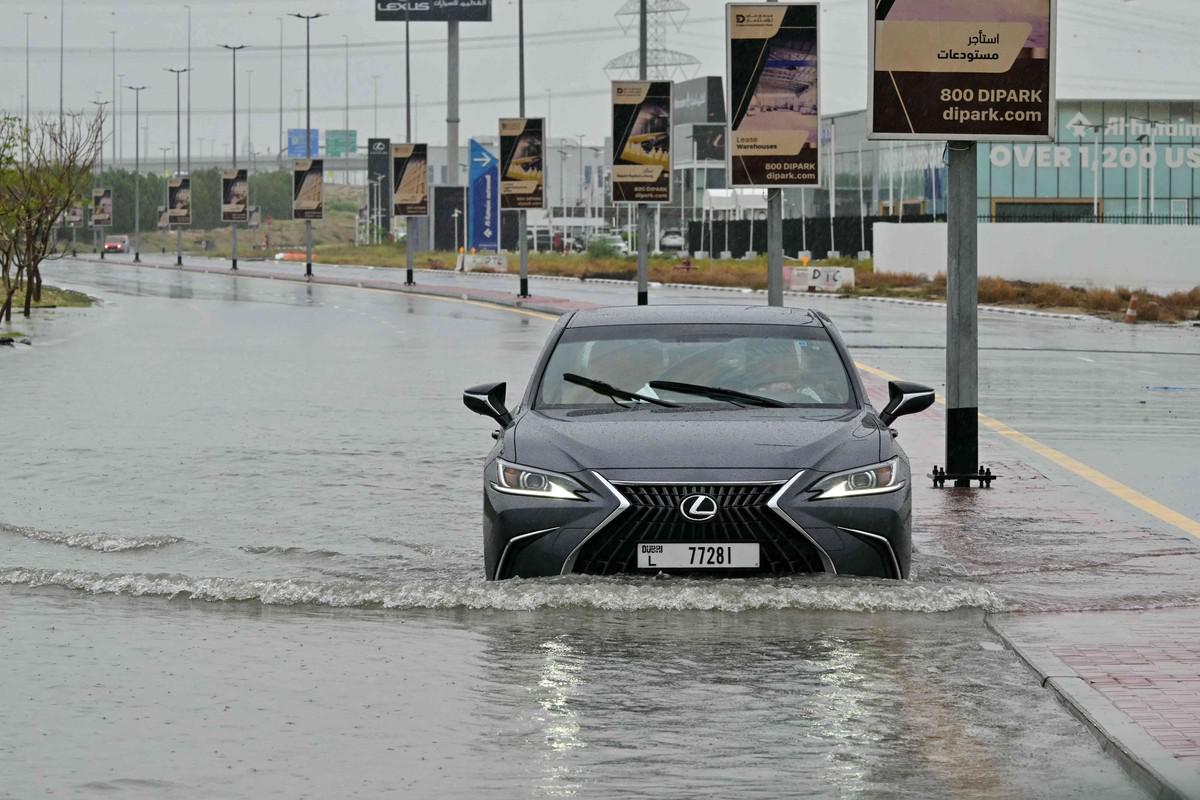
point(904, 399)
point(488, 400)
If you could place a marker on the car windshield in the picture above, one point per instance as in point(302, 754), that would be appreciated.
point(795, 365)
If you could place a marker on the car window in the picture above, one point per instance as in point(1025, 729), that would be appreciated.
point(795, 365)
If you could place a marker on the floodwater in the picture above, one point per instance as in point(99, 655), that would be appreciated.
point(240, 557)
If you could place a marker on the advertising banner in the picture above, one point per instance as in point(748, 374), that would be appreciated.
point(483, 224)
point(339, 144)
point(962, 71)
point(379, 174)
point(433, 10)
point(179, 200)
point(449, 217)
point(774, 117)
point(295, 143)
point(522, 164)
point(410, 180)
point(235, 196)
point(641, 141)
point(164, 218)
point(308, 189)
point(102, 208)
point(75, 216)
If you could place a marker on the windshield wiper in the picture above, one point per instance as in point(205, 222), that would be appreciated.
point(599, 387)
point(717, 393)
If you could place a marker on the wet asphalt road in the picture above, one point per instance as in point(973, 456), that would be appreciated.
point(281, 483)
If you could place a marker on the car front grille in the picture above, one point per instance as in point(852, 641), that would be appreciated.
point(654, 515)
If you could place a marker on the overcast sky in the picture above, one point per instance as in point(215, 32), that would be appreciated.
point(1108, 49)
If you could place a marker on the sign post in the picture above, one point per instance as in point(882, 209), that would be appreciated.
point(641, 158)
point(523, 177)
point(966, 73)
point(774, 115)
point(483, 217)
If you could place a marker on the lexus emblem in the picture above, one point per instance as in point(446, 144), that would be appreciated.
point(698, 508)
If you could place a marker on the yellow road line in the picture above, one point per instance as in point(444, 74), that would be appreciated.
point(1114, 487)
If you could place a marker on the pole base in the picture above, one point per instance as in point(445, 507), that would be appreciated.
point(137, 258)
point(643, 298)
point(233, 267)
point(524, 291)
point(308, 270)
point(408, 278)
point(985, 477)
point(962, 442)
point(179, 261)
point(101, 255)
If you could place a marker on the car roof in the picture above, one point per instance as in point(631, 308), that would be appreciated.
point(693, 314)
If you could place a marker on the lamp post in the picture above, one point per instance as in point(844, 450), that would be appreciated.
point(308, 18)
point(189, 91)
point(137, 182)
point(281, 130)
point(120, 121)
point(178, 158)
point(99, 104)
point(522, 218)
point(408, 135)
point(233, 48)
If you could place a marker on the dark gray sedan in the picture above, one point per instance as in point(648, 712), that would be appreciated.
point(696, 440)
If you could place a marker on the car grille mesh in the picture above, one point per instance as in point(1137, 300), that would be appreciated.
point(654, 516)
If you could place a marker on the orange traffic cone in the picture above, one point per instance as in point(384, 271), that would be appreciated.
point(1131, 314)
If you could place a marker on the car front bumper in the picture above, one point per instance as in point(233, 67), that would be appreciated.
point(533, 537)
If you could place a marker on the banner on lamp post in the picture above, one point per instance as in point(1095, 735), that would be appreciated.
point(308, 189)
point(235, 196)
point(641, 164)
point(179, 200)
point(483, 221)
point(102, 208)
point(410, 180)
point(522, 163)
point(774, 118)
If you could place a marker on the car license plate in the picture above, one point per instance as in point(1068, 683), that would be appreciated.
point(681, 555)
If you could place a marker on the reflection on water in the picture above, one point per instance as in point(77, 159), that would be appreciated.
point(284, 478)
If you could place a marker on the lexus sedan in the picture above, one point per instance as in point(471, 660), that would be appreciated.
point(696, 440)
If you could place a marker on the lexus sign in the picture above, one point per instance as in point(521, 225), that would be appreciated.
point(433, 10)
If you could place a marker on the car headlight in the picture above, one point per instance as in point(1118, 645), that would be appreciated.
point(877, 479)
point(530, 482)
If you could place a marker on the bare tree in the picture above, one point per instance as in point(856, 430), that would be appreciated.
point(35, 193)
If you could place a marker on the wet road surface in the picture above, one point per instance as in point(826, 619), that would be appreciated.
point(281, 483)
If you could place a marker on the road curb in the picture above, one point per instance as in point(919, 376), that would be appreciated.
point(549, 306)
point(1160, 773)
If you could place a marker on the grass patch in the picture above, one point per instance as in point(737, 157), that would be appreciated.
point(53, 297)
point(11, 336)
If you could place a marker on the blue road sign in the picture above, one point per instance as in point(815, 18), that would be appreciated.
point(295, 140)
point(483, 225)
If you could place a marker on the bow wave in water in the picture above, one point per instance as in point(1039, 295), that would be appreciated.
point(98, 542)
point(609, 594)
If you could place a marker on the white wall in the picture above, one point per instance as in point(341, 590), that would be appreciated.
point(1161, 258)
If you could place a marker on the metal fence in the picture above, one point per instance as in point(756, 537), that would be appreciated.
point(1103, 219)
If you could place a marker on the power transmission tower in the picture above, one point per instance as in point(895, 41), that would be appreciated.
point(663, 63)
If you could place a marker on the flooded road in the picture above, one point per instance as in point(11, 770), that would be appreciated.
point(240, 557)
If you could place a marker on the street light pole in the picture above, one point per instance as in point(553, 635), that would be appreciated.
point(62, 40)
point(189, 91)
point(308, 18)
point(233, 48)
point(178, 159)
point(28, 14)
point(99, 104)
point(643, 211)
point(523, 220)
point(114, 103)
point(281, 129)
point(137, 182)
point(409, 256)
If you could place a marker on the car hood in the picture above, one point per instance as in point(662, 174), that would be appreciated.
point(665, 439)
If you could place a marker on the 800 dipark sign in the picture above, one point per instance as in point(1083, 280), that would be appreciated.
point(968, 71)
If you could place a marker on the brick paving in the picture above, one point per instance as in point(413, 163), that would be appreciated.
point(1156, 683)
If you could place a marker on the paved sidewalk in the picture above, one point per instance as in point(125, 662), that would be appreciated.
point(1132, 676)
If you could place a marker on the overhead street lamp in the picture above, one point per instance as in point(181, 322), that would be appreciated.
point(178, 158)
point(137, 178)
point(308, 18)
point(233, 225)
